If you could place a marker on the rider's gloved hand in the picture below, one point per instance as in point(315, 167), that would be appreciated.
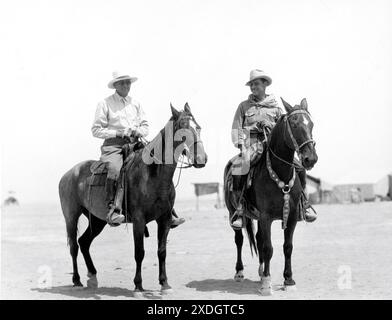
point(264, 123)
point(136, 133)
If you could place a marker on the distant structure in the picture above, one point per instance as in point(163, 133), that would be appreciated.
point(383, 188)
point(11, 200)
point(320, 191)
point(207, 188)
point(354, 192)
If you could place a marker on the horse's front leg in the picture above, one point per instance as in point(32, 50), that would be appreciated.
point(265, 226)
point(289, 283)
point(239, 267)
point(163, 231)
point(259, 239)
point(138, 237)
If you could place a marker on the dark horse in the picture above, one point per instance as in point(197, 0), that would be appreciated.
point(292, 133)
point(150, 194)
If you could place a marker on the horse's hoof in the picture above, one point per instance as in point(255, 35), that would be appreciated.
point(266, 286)
point(265, 291)
point(92, 282)
point(77, 284)
point(239, 276)
point(137, 294)
point(290, 288)
point(166, 290)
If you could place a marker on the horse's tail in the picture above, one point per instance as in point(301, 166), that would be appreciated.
point(251, 235)
point(71, 210)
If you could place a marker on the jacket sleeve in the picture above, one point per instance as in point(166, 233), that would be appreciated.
point(99, 128)
point(237, 132)
point(142, 126)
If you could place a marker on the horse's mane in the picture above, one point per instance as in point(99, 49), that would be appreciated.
point(275, 128)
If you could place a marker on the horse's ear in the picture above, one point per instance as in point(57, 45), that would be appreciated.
point(286, 106)
point(304, 104)
point(187, 108)
point(174, 111)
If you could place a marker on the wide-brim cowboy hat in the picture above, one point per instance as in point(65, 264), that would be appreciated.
point(258, 74)
point(118, 76)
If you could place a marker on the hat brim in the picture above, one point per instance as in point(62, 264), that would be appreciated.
point(269, 80)
point(113, 81)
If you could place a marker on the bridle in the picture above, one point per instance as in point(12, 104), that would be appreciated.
point(286, 187)
point(287, 127)
point(297, 147)
point(197, 130)
point(185, 164)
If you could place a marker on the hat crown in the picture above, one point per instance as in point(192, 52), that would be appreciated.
point(118, 74)
point(258, 74)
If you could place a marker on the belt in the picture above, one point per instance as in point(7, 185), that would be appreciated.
point(256, 135)
point(117, 141)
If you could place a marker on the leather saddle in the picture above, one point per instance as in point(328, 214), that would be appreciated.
point(249, 209)
point(99, 169)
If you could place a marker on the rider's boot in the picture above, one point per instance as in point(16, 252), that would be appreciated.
point(309, 216)
point(114, 216)
point(236, 221)
point(176, 221)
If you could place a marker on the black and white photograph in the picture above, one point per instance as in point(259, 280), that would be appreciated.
point(196, 150)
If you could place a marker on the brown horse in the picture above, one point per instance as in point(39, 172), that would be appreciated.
point(150, 194)
point(271, 182)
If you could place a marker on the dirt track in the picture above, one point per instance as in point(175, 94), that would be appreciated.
point(201, 256)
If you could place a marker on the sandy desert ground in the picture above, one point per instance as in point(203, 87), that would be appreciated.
point(352, 241)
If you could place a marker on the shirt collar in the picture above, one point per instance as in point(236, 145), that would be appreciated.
point(120, 98)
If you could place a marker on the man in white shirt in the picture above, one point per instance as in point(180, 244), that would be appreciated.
point(119, 119)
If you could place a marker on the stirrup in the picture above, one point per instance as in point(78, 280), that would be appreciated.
point(310, 217)
point(176, 222)
point(237, 223)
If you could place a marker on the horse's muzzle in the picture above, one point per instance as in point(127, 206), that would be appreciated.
point(200, 161)
point(308, 162)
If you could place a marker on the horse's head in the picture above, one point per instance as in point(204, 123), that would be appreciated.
point(298, 135)
point(187, 130)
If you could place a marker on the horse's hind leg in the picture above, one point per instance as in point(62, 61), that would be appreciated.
point(71, 219)
point(289, 283)
point(94, 229)
point(239, 267)
point(259, 240)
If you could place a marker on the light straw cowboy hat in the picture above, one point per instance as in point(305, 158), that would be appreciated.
point(118, 76)
point(258, 74)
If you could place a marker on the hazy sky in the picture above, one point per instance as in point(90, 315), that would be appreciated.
point(59, 55)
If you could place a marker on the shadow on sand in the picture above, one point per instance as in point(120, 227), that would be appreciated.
point(230, 286)
point(99, 293)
